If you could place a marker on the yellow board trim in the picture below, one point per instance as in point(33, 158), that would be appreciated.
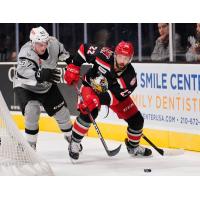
point(162, 138)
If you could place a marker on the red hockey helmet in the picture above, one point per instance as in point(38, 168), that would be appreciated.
point(124, 48)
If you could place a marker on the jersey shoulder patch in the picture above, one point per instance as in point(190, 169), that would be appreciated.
point(104, 58)
point(107, 52)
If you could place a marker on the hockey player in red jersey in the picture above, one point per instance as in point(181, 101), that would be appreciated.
point(109, 82)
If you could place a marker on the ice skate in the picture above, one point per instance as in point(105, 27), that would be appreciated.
point(137, 151)
point(74, 149)
point(69, 138)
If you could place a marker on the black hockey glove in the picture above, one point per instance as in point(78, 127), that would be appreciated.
point(49, 75)
point(69, 60)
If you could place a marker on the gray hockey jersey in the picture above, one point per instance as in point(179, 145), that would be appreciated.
point(29, 62)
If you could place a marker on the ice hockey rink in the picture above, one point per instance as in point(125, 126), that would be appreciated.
point(94, 161)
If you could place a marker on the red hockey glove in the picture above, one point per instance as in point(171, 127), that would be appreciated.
point(72, 74)
point(90, 100)
point(91, 103)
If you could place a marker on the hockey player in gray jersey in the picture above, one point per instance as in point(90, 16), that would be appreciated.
point(36, 81)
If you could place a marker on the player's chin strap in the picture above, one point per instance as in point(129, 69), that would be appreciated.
point(109, 152)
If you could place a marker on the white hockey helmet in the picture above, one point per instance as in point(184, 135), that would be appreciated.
point(39, 34)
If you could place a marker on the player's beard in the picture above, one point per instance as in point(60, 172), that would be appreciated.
point(120, 67)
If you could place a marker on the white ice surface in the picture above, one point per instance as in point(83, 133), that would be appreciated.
point(94, 160)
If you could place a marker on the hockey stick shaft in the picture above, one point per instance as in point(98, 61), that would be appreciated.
point(159, 150)
point(109, 152)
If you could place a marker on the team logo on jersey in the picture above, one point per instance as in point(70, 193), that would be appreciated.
point(133, 81)
point(106, 52)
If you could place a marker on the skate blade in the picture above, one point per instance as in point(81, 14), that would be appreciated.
point(73, 161)
point(140, 156)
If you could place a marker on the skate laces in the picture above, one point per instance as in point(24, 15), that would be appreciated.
point(139, 150)
point(75, 146)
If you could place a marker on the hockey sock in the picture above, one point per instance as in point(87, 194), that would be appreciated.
point(31, 135)
point(79, 129)
point(67, 132)
point(134, 136)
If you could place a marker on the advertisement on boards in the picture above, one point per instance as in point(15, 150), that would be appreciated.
point(168, 95)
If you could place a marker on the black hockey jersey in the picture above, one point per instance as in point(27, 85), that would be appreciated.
point(120, 85)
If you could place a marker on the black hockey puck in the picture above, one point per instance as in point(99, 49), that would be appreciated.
point(147, 170)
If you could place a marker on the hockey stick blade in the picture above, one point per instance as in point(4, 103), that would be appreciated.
point(159, 150)
point(109, 152)
point(115, 151)
point(166, 152)
point(173, 152)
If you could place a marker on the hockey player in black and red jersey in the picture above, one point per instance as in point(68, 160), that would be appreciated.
point(109, 82)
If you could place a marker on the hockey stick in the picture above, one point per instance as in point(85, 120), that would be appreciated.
point(166, 152)
point(159, 150)
point(109, 152)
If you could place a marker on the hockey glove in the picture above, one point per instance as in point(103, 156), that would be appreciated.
point(72, 74)
point(49, 75)
point(90, 103)
point(90, 100)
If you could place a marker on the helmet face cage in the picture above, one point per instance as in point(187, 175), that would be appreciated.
point(39, 35)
